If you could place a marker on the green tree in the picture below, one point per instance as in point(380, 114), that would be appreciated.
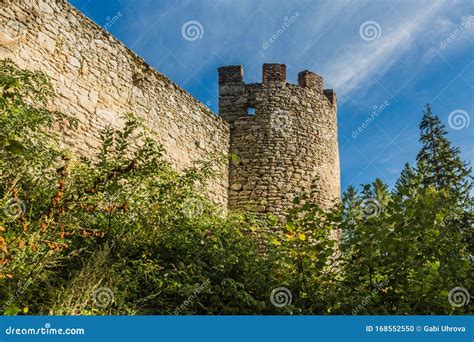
point(406, 181)
point(403, 251)
point(439, 164)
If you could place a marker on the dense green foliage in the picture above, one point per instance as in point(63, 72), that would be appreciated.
point(123, 233)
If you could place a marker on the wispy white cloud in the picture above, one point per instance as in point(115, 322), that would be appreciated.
point(364, 59)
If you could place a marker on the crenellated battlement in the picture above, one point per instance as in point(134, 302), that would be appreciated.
point(275, 74)
point(232, 74)
point(310, 80)
point(285, 135)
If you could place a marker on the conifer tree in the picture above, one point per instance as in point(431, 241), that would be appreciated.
point(406, 181)
point(439, 164)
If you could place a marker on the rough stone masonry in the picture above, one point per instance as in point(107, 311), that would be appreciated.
point(284, 134)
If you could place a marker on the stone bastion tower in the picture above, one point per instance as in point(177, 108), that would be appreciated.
point(285, 136)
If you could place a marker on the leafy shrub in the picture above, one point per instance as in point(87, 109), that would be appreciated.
point(123, 233)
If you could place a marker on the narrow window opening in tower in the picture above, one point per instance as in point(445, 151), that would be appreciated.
point(250, 111)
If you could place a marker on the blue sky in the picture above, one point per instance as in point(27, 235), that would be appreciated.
point(393, 55)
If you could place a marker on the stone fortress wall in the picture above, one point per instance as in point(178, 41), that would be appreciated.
point(289, 140)
point(285, 136)
point(97, 79)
